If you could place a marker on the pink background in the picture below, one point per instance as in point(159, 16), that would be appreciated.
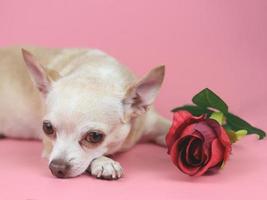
point(203, 43)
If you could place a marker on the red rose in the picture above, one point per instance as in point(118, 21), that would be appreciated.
point(197, 144)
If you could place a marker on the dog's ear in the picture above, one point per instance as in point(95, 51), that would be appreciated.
point(142, 94)
point(41, 77)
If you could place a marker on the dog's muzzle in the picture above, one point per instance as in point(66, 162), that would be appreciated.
point(59, 168)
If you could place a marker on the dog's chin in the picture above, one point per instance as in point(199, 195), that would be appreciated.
point(76, 172)
point(72, 172)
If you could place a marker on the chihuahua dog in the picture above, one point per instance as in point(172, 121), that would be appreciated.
point(82, 103)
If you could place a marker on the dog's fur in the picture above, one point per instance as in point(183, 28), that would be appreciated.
point(78, 90)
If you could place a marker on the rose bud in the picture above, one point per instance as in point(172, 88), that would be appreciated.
point(197, 144)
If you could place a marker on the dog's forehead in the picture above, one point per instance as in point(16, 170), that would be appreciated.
point(82, 105)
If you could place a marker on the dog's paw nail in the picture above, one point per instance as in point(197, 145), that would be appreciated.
point(99, 173)
point(106, 168)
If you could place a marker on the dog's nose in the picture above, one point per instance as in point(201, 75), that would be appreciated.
point(59, 168)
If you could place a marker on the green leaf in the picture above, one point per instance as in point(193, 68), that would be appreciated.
point(227, 128)
point(235, 136)
point(206, 98)
point(218, 116)
point(240, 134)
point(236, 123)
point(194, 110)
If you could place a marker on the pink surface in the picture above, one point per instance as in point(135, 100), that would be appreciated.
point(216, 44)
point(149, 174)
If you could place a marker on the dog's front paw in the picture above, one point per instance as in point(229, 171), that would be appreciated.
point(105, 168)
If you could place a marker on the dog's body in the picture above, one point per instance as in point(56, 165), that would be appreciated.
point(80, 91)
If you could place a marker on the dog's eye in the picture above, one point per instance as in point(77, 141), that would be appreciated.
point(48, 128)
point(94, 137)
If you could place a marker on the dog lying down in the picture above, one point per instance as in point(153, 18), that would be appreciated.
point(87, 104)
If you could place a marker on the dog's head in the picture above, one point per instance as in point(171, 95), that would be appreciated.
point(85, 119)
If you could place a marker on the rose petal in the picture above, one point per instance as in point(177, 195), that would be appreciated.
point(217, 155)
point(178, 156)
point(193, 153)
point(197, 152)
point(222, 136)
point(208, 136)
point(206, 131)
point(181, 120)
point(178, 119)
point(183, 165)
point(187, 159)
point(189, 131)
point(174, 153)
